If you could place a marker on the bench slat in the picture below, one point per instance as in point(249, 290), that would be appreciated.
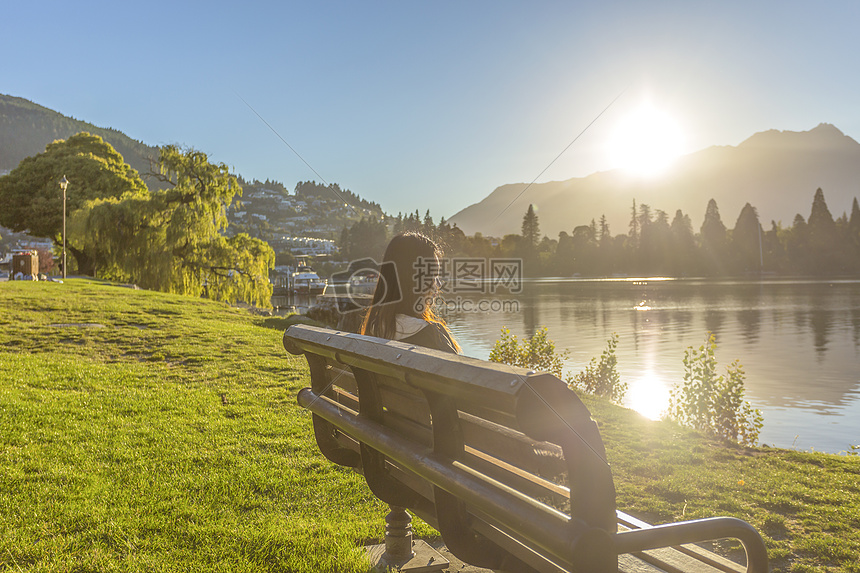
point(513, 447)
point(554, 495)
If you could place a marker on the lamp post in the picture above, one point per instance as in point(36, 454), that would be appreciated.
point(63, 184)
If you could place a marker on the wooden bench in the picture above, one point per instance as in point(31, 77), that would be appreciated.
point(505, 463)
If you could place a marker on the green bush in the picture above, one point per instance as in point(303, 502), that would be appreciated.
point(537, 352)
point(711, 402)
point(601, 377)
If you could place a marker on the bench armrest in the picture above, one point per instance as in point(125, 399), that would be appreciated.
point(695, 531)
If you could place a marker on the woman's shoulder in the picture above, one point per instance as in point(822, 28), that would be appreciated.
point(418, 331)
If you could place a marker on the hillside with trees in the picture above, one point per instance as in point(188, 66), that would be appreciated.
point(26, 128)
point(267, 210)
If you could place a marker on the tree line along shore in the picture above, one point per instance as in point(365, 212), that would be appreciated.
point(655, 244)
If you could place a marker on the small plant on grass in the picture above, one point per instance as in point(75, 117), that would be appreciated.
point(601, 377)
point(712, 402)
point(537, 352)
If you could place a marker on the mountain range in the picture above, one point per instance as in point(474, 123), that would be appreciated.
point(777, 172)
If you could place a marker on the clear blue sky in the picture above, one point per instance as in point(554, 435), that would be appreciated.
point(431, 105)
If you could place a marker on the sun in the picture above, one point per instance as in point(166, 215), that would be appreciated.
point(645, 142)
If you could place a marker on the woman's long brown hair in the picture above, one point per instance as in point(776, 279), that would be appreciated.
point(398, 291)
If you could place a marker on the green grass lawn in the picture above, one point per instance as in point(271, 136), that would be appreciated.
point(141, 431)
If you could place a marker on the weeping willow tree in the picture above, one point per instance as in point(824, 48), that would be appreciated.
point(173, 240)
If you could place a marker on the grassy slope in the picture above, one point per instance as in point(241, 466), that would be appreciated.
point(169, 439)
point(119, 453)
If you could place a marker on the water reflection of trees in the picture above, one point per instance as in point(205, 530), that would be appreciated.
point(750, 323)
point(799, 342)
point(821, 322)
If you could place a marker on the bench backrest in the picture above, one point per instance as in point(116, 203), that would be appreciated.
point(506, 463)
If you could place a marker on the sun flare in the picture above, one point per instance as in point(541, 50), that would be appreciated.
point(649, 395)
point(646, 141)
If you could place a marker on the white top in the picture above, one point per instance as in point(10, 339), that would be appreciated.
point(408, 325)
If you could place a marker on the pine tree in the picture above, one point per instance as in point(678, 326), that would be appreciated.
point(634, 225)
point(713, 236)
point(826, 257)
point(531, 228)
point(820, 219)
point(605, 235)
point(854, 221)
point(746, 240)
point(683, 245)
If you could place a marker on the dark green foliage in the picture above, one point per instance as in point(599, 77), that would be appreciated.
point(713, 240)
point(682, 246)
point(312, 189)
point(746, 241)
point(656, 247)
point(824, 244)
point(31, 195)
point(366, 238)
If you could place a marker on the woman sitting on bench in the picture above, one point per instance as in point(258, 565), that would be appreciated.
point(402, 307)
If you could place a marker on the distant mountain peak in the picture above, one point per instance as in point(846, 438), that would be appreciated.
point(822, 135)
point(826, 128)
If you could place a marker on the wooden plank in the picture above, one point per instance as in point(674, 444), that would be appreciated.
point(347, 399)
point(686, 558)
point(404, 401)
point(514, 447)
point(671, 560)
point(554, 495)
point(631, 564)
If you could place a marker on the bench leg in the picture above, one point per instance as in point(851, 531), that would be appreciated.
point(398, 535)
point(399, 553)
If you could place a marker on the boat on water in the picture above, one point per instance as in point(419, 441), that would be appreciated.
point(305, 280)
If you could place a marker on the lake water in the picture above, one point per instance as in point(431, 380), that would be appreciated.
point(798, 342)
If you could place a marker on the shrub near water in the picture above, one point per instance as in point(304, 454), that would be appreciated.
point(601, 376)
point(714, 403)
point(537, 352)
